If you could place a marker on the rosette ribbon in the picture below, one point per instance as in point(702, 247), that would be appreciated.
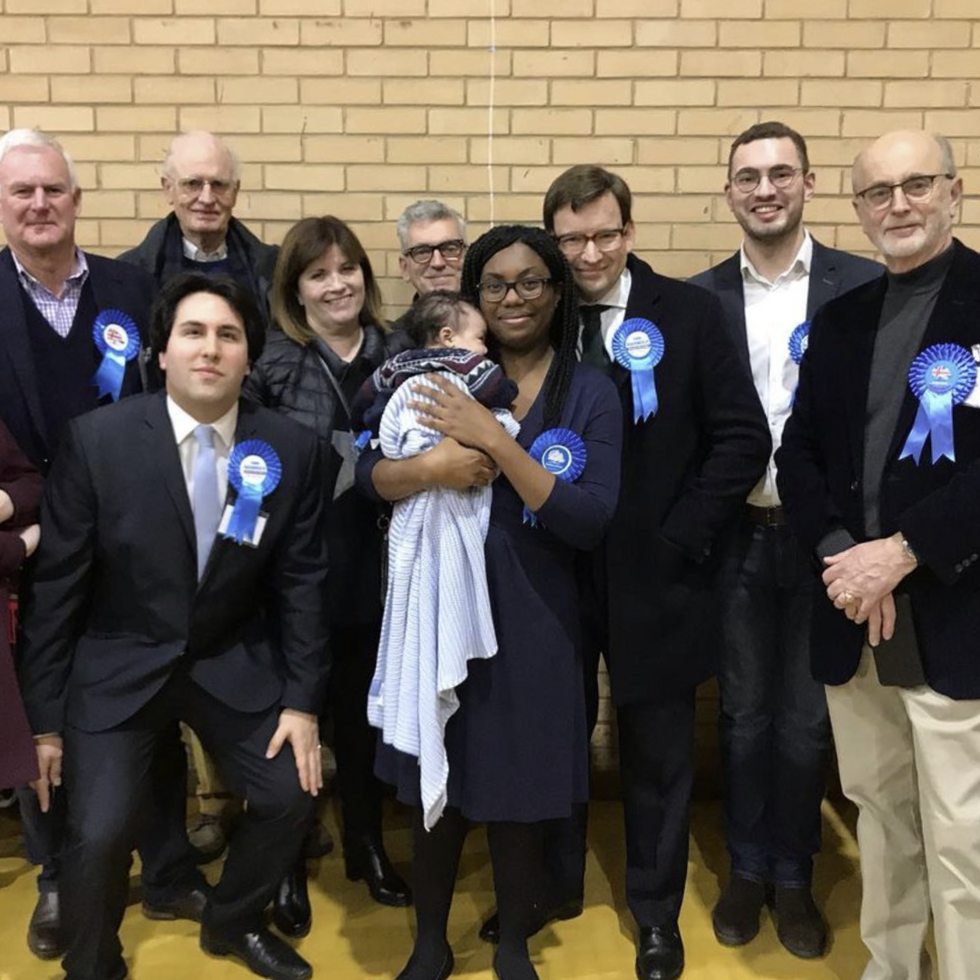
point(562, 453)
point(941, 376)
point(118, 340)
point(254, 470)
point(638, 346)
point(799, 339)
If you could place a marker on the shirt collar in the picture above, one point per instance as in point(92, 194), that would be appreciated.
point(618, 294)
point(184, 424)
point(78, 274)
point(197, 254)
point(800, 266)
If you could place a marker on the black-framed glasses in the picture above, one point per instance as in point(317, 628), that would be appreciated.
point(605, 240)
point(194, 186)
point(494, 290)
point(916, 188)
point(747, 180)
point(450, 250)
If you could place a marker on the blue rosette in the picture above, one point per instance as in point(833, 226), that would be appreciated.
point(562, 453)
point(254, 470)
point(798, 341)
point(118, 340)
point(638, 346)
point(941, 376)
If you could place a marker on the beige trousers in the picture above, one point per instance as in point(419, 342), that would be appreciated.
point(910, 760)
point(212, 797)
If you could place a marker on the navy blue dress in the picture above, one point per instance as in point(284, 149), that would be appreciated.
point(517, 746)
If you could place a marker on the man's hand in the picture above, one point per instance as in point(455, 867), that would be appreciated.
point(6, 507)
point(859, 578)
point(881, 621)
point(300, 730)
point(31, 536)
point(49, 755)
point(455, 467)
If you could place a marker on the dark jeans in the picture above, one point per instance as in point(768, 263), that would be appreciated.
point(775, 733)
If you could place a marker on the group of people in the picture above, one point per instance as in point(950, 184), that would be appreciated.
point(767, 473)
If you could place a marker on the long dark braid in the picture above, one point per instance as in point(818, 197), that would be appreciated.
point(564, 324)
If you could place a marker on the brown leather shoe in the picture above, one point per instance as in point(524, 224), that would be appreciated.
point(208, 838)
point(44, 937)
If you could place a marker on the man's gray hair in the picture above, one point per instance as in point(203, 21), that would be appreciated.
point(946, 148)
point(235, 165)
point(427, 211)
point(37, 138)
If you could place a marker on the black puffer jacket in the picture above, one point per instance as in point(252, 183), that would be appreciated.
point(292, 378)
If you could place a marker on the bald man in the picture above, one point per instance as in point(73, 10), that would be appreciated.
point(201, 177)
point(879, 472)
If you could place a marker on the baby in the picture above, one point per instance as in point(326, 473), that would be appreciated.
point(437, 610)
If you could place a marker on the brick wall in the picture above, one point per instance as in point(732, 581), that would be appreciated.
point(358, 107)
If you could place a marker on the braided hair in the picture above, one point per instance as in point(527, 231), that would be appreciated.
point(563, 332)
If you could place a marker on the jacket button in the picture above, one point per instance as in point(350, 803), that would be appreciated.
point(854, 485)
point(958, 568)
point(973, 557)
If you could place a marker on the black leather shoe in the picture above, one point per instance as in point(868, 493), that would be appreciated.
point(44, 930)
point(490, 930)
point(291, 912)
point(365, 859)
point(264, 953)
point(659, 953)
point(190, 906)
point(318, 841)
point(736, 916)
point(799, 924)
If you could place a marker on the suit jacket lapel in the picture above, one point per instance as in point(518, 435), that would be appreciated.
point(161, 446)
point(16, 343)
point(728, 286)
point(825, 279)
point(643, 300)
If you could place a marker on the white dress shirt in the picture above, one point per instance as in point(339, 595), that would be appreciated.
point(197, 254)
point(224, 430)
point(773, 310)
point(610, 320)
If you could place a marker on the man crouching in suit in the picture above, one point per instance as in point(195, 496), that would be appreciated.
point(181, 578)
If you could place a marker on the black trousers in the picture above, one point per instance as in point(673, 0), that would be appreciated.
point(355, 651)
point(169, 869)
point(656, 761)
point(109, 775)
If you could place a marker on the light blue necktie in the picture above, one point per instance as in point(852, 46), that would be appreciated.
point(207, 502)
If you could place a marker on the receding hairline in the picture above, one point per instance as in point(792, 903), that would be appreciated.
point(939, 141)
point(234, 164)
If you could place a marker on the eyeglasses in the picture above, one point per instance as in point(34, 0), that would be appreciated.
point(916, 188)
point(450, 251)
point(494, 290)
point(605, 240)
point(746, 181)
point(194, 186)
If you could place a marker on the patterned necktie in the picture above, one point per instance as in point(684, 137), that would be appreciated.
point(206, 503)
point(593, 349)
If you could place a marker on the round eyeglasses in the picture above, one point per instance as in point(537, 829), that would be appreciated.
point(747, 180)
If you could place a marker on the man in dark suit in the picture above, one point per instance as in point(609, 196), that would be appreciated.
point(153, 602)
point(686, 470)
point(774, 728)
point(879, 472)
point(54, 366)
